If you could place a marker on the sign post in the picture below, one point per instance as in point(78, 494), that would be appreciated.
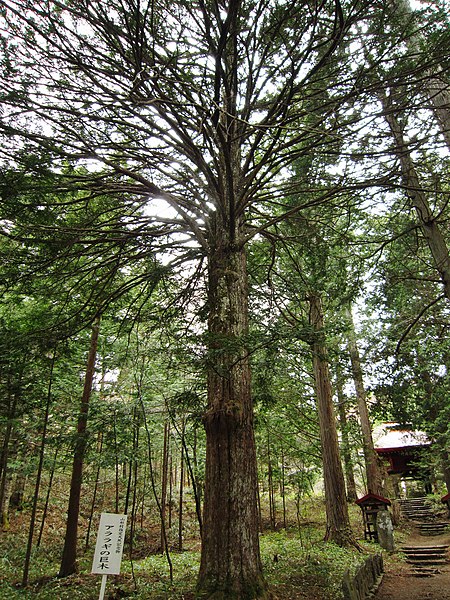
point(109, 547)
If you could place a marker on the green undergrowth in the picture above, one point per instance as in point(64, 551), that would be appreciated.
point(295, 562)
point(313, 565)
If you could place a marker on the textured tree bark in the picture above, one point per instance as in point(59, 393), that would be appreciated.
point(338, 524)
point(69, 557)
point(230, 562)
point(374, 479)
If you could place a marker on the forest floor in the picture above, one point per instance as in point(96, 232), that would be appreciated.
point(400, 583)
point(298, 565)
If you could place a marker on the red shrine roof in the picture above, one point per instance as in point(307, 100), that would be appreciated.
point(392, 437)
point(371, 497)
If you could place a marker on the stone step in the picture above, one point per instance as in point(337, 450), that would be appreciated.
point(424, 572)
point(423, 557)
point(441, 550)
point(438, 547)
point(432, 528)
point(426, 555)
point(416, 509)
point(426, 563)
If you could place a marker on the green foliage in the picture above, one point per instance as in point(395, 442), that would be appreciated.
point(314, 564)
point(297, 561)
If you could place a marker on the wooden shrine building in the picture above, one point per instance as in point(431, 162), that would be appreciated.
point(403, 448)
point(371, 504)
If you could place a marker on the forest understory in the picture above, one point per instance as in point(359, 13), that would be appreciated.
point(298, 564)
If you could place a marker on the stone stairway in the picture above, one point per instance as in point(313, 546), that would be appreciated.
point(433, 528)
point(416, 509)
point(419, 510)
point(425, 560)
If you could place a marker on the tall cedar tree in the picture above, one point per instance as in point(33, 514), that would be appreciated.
point(203, 104)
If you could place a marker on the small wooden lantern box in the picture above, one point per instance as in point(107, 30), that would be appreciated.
point(446, 500)
point(370, 504)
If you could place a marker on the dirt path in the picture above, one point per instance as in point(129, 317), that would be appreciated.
point(399, 582)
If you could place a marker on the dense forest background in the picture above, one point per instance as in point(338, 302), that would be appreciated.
point(224, 258)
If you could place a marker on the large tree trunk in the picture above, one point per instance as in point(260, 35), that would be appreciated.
point(374, 480)
point(230, 562)
point(69, 557)
point(338, 524)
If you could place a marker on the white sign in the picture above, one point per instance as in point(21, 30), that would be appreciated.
point(109, 546)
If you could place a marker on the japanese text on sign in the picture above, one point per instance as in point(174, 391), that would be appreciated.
point(109, 546)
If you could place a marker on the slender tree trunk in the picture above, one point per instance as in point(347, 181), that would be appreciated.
point(374, 479)
point(47, 498)
point(117, 466)
point(197, 484)
point(260, 518)
point(193, 470)
point(94, 493)
point(130, 465)
point(180, 500)
point(134, 503)
point(230, 561)
point(164, 481)
point(38, 477)
point(69, 557)
point(6, 492)
point(272, 516)
point(129, 482)
point(5, 478)
point(152, 475)
point(170, 498)
point(346, 452)
point(143, 496)
point(338, 524)
point(283, 487)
